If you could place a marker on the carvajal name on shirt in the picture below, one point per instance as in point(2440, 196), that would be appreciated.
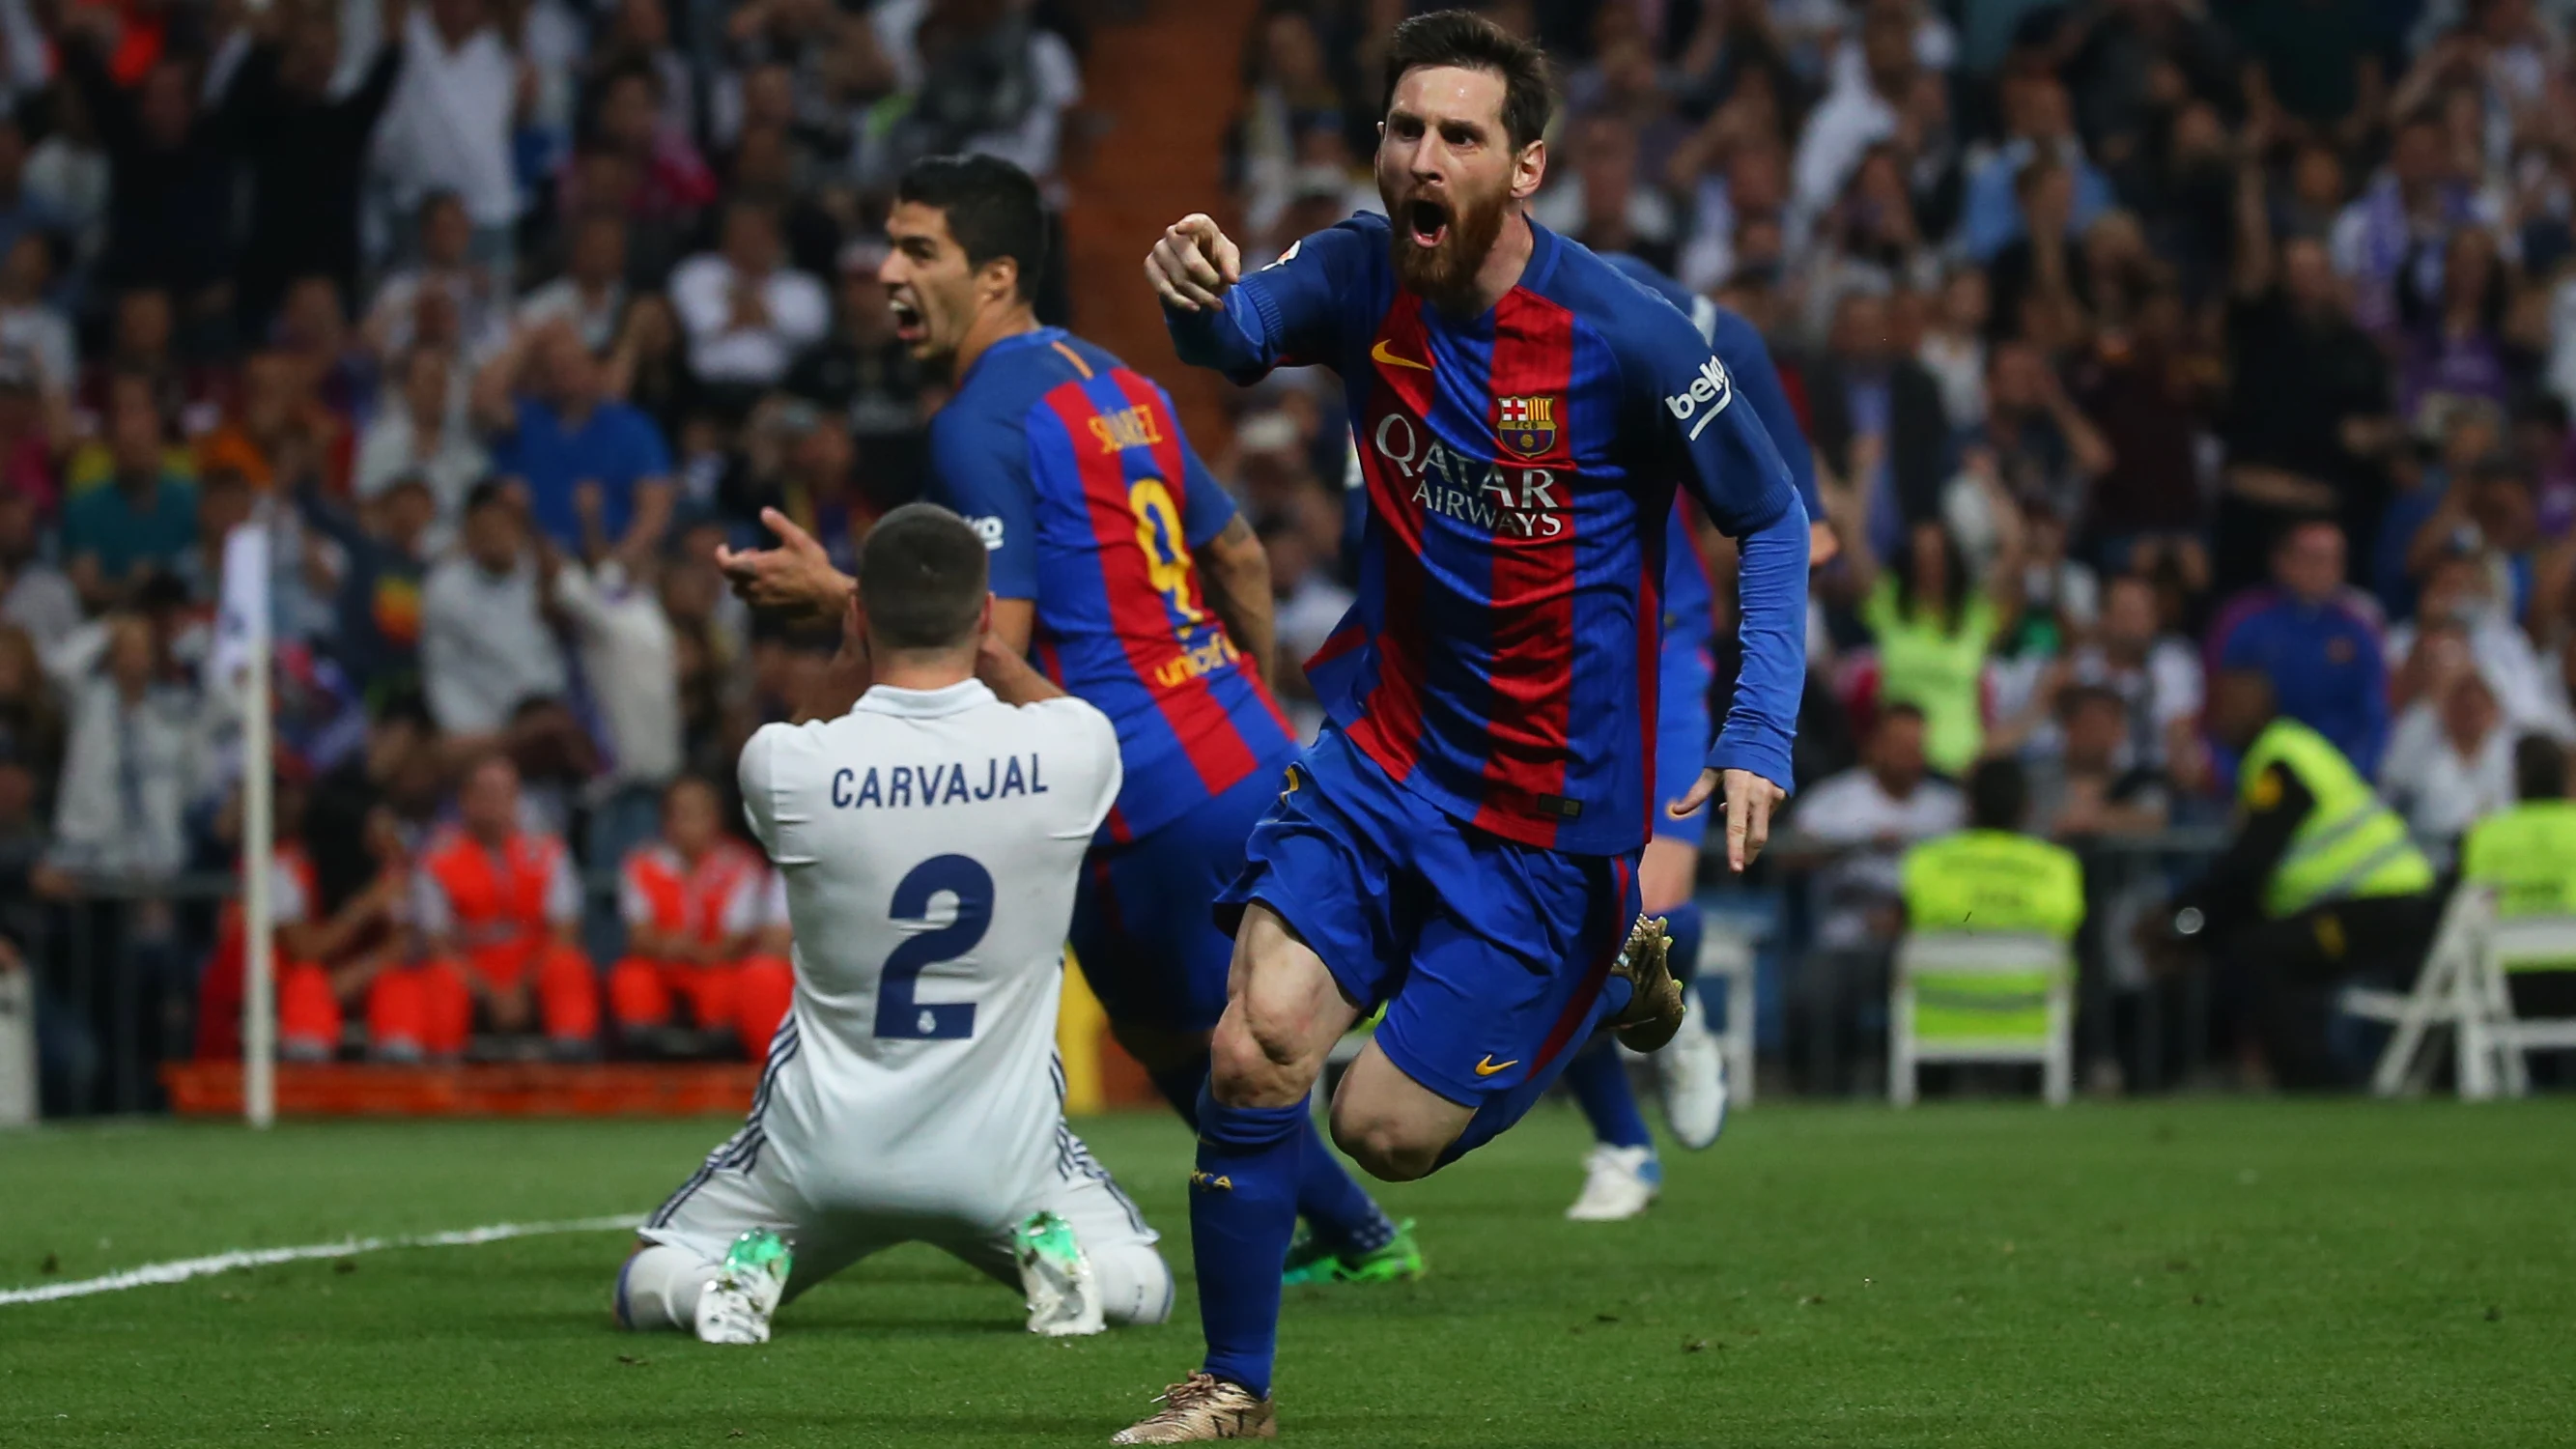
point(891, 786)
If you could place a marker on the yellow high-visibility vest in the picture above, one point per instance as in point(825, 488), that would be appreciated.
point(2350, 847)
point(2527, 855)
point(1989, 880)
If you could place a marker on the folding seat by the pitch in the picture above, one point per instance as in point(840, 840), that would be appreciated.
point(2520, 947)
point(1981, 996)
point(2451, 993)
point(17, 1048)
point(1726, 954)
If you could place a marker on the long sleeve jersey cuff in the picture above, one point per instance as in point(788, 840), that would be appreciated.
point(1217, 339)
point(1762, 724)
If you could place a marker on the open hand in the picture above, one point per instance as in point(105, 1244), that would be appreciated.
point(796, 578)
point(1750, 799)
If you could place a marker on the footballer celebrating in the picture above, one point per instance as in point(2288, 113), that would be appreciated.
point(930, 838)
point(1121, 567)
point(1461, 845)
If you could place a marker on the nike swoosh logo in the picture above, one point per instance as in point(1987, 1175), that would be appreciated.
point(1381, 354)
point(1489, 1066)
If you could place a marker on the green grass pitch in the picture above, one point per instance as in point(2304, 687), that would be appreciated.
point(2188, 1273)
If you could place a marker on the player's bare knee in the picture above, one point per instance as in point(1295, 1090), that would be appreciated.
point(1384, 1148)
point(1388, 1144)
point(1248, 1067)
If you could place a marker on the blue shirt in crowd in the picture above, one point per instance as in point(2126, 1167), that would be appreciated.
point(616, 446)
point(2325, 662)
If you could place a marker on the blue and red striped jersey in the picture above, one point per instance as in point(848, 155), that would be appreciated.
point(1073, 469)
point(1689, 603)
point(1501, 657)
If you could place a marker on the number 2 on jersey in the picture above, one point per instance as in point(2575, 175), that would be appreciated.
point(898, 1015)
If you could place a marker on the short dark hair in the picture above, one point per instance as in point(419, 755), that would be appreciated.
point(1469, 41)
point(1895, 710)
point(1998, 795)
point(922, 578)
point(487, 493)
point(2539, 769)
point(992, 206)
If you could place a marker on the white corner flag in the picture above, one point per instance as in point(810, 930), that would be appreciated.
point(240, 658)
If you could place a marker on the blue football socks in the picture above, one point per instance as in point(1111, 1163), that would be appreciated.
point(1243, 1212)
point(1331, 1201)
point(1600, 1086)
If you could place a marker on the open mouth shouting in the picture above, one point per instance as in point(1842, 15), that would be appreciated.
point(1425, 222)
point(908, 325)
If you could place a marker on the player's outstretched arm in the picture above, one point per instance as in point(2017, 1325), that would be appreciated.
point(796, 578)
point(1293, 311)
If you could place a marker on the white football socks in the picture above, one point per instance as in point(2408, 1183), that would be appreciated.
point(658, 1288)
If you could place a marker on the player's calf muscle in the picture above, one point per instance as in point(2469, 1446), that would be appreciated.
point(1283, 1013)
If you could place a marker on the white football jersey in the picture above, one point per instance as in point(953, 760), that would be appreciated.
point(930, 842)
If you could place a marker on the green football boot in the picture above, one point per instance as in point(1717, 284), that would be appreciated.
point(1398, 1260)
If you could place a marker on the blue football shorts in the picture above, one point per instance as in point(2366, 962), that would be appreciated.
point(1492, 958)
point(1142, 929)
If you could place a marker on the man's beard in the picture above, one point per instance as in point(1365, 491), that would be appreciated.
point(1446, 271)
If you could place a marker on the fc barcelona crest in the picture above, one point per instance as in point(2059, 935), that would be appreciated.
point(1526, 425)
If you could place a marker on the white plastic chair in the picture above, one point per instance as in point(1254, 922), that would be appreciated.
point(17, 1048)
point(1982, 953)
point(2525, 942)
point(1727, 955)
point(2450, 993)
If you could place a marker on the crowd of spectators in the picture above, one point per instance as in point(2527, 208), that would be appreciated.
point(500, 314)
point(2135, 339)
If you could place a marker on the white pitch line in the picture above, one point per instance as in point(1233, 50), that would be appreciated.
point(180, 1270)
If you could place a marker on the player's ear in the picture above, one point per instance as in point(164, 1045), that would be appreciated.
point(1000, 279)
point(1529, 169)
point(984, 620)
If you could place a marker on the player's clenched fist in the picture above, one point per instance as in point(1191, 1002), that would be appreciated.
point(1194, 263)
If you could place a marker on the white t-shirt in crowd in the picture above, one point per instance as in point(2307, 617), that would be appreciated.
point(448, 125)
point(799, 313)
point(1854, 809)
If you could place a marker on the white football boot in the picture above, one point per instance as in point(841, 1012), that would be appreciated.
point(735, 1305)
point(1690, 1076)
point(1618, 1184)
point(1064, 1298)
